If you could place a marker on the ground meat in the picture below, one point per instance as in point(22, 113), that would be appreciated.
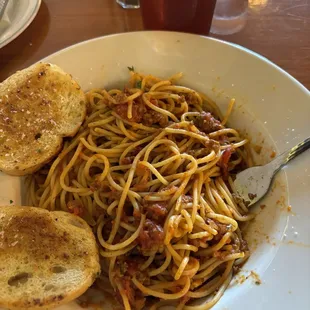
point(244, 246)
point(126, 268)
point(187, 199)
point(153, 117)
point(212, 145)
point(156, 211)
point(135, 297)
point(191, 98)
point(127, 92)
point(207, 123)
point(96, 185)
point(181, 99)
point(138, 111)
point(252, 196)
point(223, 162)
point(75, 207)
point(151, 236)
point(128, 160)
point(221, 254)
point(120, 97)
point(136, 150)
point(137, 214)
point(132, 267)
point(222, 229)
point(114, 194)
point(211, 223)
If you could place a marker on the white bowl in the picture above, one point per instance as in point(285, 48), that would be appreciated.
point(272, 108)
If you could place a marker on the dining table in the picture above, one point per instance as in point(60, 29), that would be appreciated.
point(277, 29)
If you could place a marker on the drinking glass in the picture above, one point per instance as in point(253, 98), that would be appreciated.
point(229, 16)
point(129, 4)
point(193, 16)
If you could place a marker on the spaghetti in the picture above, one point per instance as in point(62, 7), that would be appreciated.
point(151, 170)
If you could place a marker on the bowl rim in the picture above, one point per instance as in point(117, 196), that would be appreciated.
point(227, 43)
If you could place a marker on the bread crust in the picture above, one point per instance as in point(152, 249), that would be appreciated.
point(39, 106)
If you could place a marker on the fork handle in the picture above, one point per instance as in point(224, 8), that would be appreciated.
point(287, 156)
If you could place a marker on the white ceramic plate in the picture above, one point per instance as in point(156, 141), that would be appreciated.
point(272, 108)
point(23, 13)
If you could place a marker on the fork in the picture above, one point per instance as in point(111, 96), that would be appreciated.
point(253, 183)
point(3, 4)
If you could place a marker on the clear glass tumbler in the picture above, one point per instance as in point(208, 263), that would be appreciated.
point(129, 4)
point(229, 16)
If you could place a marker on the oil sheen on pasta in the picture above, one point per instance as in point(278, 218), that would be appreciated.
point(151, 171)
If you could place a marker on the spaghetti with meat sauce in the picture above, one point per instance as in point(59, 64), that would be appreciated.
point(151, 170)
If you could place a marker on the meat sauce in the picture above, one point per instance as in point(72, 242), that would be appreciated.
point(207, 123)
point(152, 234)
point(138, 110)
point(156, 211)
point(141, 114)
point(125, 270)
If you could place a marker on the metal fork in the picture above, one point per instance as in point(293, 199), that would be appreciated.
point(3, 4)
point(253, 183)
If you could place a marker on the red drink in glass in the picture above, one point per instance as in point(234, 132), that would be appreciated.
point(193, 16)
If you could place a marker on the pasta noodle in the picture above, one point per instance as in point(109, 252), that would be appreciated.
point(151, 170)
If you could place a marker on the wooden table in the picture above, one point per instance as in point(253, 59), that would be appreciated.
point(277, 29)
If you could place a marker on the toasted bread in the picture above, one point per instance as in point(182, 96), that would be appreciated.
point(39, 106)
point(46, 258)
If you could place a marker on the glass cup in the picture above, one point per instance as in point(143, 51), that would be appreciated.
point(129, 4)
point(229, 16)
point(194, 16)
